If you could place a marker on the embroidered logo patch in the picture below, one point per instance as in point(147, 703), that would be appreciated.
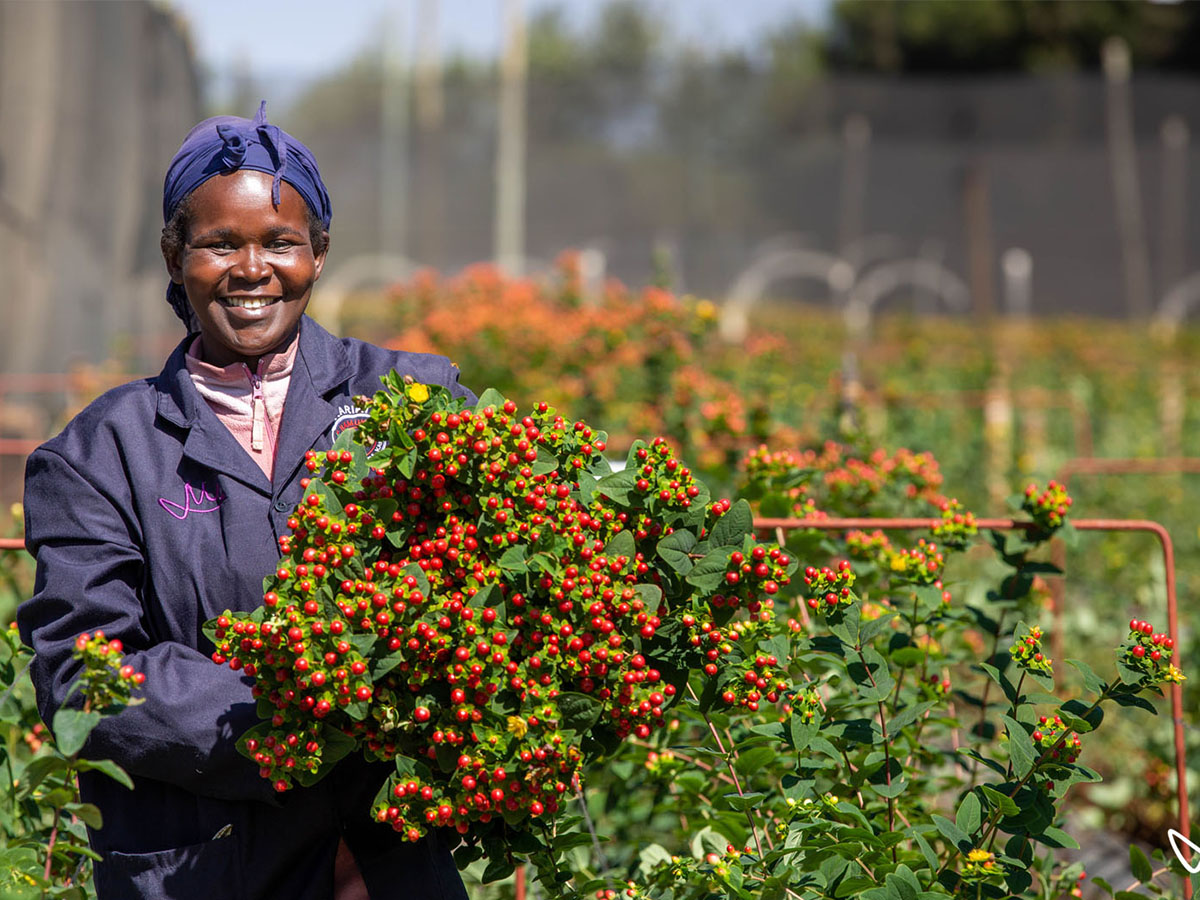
point(195, 500)
point(349, 418)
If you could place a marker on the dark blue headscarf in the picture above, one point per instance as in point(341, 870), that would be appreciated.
point(225, 144)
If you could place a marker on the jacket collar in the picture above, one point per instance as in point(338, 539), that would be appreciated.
point(321, 365)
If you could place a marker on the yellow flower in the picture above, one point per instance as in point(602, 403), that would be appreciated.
point(1173, 674)
point(516, 725)
point(418, 393)
point(978, 855)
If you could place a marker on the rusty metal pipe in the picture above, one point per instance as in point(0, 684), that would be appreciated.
point(1125, 525)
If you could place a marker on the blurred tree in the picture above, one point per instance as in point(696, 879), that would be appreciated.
point(597, 83)
point(944, 36)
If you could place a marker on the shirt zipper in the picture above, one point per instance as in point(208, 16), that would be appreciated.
point(257, 411)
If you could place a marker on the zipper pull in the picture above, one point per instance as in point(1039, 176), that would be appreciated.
point(257, 412)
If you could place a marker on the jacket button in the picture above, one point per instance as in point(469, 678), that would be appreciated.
point(282, 506)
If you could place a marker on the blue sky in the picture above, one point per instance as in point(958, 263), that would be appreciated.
point(308, 38)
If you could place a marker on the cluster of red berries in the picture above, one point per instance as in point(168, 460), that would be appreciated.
point(829, 588)
point(476, 601)
point(1047, 508)
point(807, 704)
point(938, 684)
point(922, 564)
point(762, 569)
point(664, 480)
point(834, 480)
point(1051, 735)
point(867, 545)
point(1027, 652)
point(957, 526)
point(1150, 652)
point(755, 681)
point(108, 681)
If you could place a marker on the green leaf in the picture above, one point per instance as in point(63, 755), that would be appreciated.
point(908, 715)
point(1139, 865)
point(899, 888)
point(1002, 802)
point(88, 813)
point(363, 642)
point(1090, 716)
point(109, 768)
point(545, 463)
point(1020, 747)
point(802, 733)
point(843, 622)
point(622, 544)
point(498, 869)
point(39, 770)
point(1090, 679)
point(732, 527)
point(619, 485)
point(651, 856)
point(1123, 698)
point(72, 727)
point(587, 486)
point(891, 791)
point(491, 397)
point(709, 573)
point(872, 675)
point(567, 840)
point(745, 800)
point(930, 857)
point(755, 759)
point(512, 560)
point(708, 840)
point(907, 657)
point(871, 628)
point(674, 550)
point(952, 833)
point(579, 711)
point(970, 813)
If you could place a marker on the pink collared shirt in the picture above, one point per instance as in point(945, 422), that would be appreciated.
point(248, 403)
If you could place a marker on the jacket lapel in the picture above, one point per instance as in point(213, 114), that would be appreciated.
point(322, 365)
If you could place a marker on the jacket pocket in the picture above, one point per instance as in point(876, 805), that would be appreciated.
point(207, 871)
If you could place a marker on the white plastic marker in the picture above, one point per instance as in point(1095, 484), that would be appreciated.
point(1176, 838)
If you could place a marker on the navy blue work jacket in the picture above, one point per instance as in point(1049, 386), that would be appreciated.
point(147, 518)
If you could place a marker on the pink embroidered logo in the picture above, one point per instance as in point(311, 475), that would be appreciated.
point(195, 500)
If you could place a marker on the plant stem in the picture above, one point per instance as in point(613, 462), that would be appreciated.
point(733, 772)
point(50, 846)
point(587, 819)
point(887, 753)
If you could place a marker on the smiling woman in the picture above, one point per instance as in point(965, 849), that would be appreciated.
point(163, 503)
point(246, 265)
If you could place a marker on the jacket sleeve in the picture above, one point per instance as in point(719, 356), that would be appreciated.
point(90, 576)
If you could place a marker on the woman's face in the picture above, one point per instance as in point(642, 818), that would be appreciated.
point(247, 267)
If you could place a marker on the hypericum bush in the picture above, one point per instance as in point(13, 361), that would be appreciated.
point(44, 848)
point(473, 595)
point(925, 751)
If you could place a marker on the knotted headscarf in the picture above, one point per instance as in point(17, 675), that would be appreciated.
point(225, 144)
